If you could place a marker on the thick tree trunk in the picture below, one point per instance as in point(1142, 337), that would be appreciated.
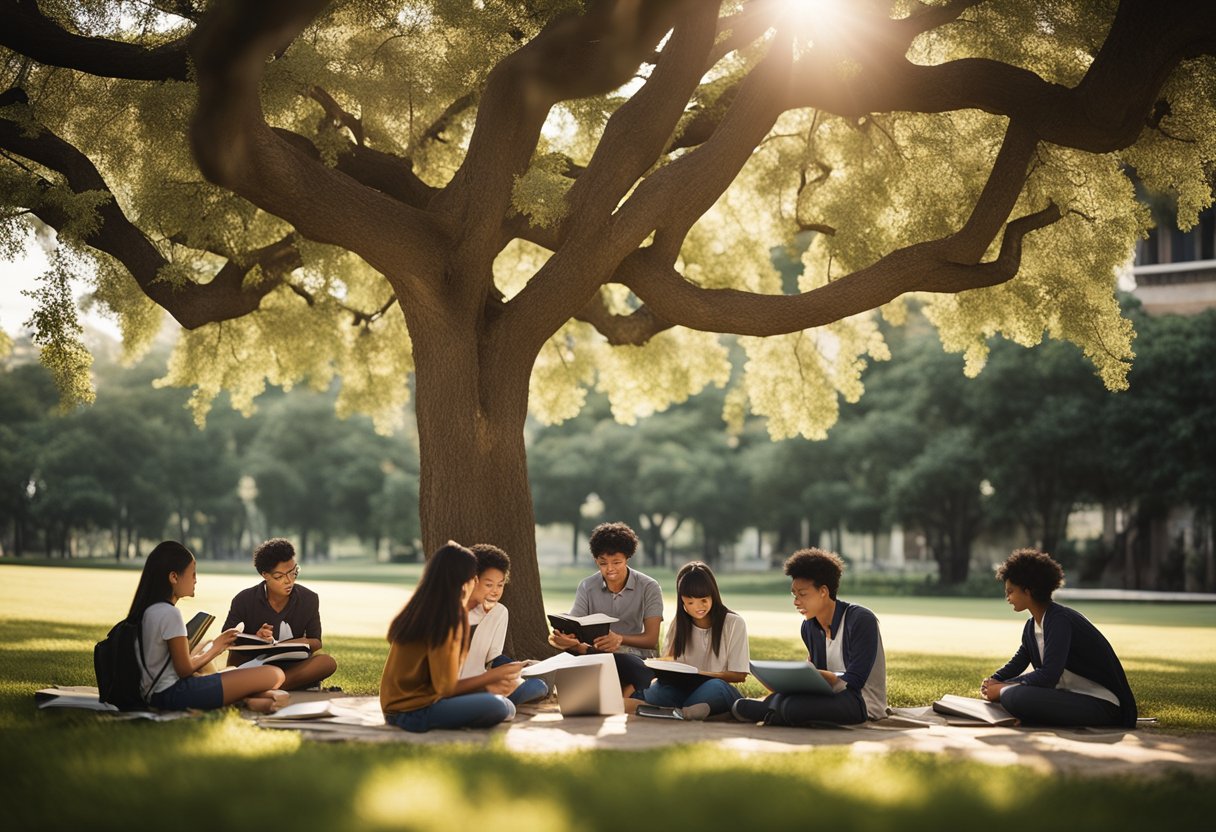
point(474, 473)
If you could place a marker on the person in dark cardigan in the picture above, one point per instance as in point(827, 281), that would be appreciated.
point(843, 642)
point(1076, 677)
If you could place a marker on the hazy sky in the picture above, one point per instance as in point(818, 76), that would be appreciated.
point(23, 273)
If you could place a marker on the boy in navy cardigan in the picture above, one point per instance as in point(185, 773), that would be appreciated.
point(842, 641)
point(1077, 678)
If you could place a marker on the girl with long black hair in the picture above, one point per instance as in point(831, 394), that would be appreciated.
point(711, 638)
point(421, 687)
point(167, 667)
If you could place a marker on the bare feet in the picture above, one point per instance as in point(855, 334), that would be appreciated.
point(268, 701)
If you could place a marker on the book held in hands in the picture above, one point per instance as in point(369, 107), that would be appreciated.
point(196, 630)
point(268, 652)
point(586, 628)
point(677, 674)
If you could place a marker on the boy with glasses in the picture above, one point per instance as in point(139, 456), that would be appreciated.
point(280, 609)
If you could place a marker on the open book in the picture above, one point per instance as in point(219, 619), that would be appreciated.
point(677, 674)
point(321, 709)
point(196, 630)
point(790, 677)
point(251, 650)
point(973, 710)
point(586, 628)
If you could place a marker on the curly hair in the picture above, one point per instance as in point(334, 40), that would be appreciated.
point(1034, 571)
point(612, 539)
point(271, 553)
point(490, 556)
point(817, 566)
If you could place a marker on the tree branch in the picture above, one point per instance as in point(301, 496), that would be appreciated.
point(337, 116)
point(192, 304)
point(633, 329)
point(637, 132)
point(574, 56)
point(385, 172)
point(236, 149)
point(1104, 112)
point(923, 267)
point(27, 31)
point(434, 132)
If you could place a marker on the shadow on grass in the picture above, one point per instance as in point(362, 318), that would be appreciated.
point(78, 770)
point(99, 775)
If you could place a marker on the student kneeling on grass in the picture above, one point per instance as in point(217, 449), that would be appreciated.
point(488, 623)
point(167, 668)
point(421, 687)
point(279, 608)
point(843, 642)
point(1077, 678)
point(708, 636)
point(634, 599)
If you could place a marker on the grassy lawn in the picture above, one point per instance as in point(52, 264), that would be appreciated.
point(74, 770)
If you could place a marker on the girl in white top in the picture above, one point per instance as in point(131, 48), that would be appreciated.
point(167, 667)
point(711, 638)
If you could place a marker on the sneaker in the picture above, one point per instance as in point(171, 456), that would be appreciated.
point(695, 713)
point(749, 710)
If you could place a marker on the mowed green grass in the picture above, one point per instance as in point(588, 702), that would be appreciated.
point(75, 770)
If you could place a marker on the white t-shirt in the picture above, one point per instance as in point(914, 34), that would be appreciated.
point(733, 652)
point(488, 639)
point(874, 694)
point(162, 621)
point(1071, 681)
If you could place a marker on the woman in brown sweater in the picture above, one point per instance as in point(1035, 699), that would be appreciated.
point(421, 687)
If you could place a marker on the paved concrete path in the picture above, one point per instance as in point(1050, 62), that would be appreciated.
point(544, 731)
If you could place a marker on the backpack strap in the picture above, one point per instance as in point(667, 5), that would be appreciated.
point(139, 631)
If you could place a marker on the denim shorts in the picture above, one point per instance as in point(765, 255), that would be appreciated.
point(204, 693)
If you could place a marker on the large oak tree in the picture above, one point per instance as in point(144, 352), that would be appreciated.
point(513, 200)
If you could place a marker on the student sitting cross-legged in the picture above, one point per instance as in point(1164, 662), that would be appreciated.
point(167, 667)
point(279, 608)
point(625, 594)
point(842, 641)
point(708, 636)
point(488, 623)
point(1076, 678)
point(421, 687)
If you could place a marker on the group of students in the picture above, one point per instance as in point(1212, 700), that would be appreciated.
point(446, 667)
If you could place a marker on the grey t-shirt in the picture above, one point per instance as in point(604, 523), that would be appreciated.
point(641, 598)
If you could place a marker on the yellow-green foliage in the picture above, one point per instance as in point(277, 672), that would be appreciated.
point(880, 182)
point(56, 329)
point(540, 193)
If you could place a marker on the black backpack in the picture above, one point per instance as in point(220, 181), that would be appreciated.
point(117, 660)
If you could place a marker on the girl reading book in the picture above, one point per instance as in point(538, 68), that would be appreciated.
point(421, 687)
point(707, 636)
point(167, 666)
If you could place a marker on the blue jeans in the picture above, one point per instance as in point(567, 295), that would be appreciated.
point(530, 690)
point(1054, 706)
point(470, 710)
point(716, 693)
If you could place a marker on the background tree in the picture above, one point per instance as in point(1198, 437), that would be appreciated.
point(494, 176)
